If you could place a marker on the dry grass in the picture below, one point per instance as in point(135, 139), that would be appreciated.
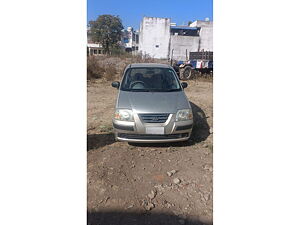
point(202, 77)
point(110, 72)
point(94, 69)
point(111, 68)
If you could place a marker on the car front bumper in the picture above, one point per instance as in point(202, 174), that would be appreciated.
point(136, 131)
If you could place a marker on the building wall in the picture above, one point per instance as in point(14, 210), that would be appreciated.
point(206, 34)
point(154, 37)
point(156, 40)
point(183, 44)
point(94, 49)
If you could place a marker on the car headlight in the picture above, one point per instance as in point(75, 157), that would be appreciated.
point(124, 115)
point(184, 114)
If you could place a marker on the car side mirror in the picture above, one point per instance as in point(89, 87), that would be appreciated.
point(115, 84)
point(184, 85)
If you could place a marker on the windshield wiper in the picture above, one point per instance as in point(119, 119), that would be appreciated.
point(139, 90)
point(163, 90)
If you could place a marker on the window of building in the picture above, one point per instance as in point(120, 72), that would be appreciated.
point(99, 51)
point(185, 31)
point(95, 51)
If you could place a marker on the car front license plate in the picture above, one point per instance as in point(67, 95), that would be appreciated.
point(155, 130)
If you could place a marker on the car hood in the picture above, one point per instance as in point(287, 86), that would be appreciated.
point(153, 102)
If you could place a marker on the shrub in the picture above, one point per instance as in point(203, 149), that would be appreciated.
point(110, 72)
point(111, 67)
point(118, 52)
point(94, 70)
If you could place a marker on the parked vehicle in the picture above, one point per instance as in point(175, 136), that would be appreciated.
point(198, 61)
point(151, 105)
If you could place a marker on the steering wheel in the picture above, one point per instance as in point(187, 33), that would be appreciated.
point(137, 82)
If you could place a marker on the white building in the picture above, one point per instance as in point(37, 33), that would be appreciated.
point(206, 34)
point(159, 38)
point(93, 48)
point(155, 37)
point(183, 40)
point(130, 40)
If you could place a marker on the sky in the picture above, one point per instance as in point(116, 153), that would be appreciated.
point(131, 12)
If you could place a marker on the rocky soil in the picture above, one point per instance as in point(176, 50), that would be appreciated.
point(149, 183)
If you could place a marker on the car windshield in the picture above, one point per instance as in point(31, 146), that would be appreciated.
point(150, 79)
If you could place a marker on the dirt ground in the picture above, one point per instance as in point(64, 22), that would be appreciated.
point(149, 183)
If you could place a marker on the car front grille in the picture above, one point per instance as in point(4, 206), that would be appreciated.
point(154, 117)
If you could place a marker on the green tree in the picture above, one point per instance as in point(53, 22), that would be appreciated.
point(107, 30)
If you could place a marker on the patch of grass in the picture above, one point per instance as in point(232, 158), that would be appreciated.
point(110, 72)
point(94, 69)
point(202, 77)
point(111, 67)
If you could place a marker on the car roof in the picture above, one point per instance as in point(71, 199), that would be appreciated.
point(154, 65)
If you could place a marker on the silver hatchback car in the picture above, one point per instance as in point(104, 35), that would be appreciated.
point(151, 106)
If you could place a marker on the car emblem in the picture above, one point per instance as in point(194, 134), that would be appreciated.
point(155, 118)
